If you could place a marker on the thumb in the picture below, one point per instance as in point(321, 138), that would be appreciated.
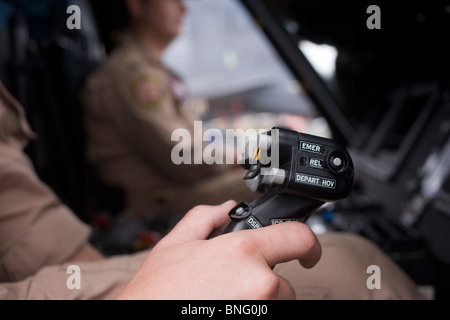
point(282, 242)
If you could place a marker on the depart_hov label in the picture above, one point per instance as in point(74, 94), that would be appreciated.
point(315, 180)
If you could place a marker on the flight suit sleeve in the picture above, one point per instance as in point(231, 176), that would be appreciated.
point(143, 113)
point(36, 229)
point(95, 280)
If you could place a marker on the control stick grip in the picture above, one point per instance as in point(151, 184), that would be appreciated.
point(271, 209)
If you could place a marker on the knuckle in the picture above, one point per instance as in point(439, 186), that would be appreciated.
point(245, 245)
point(269, 286)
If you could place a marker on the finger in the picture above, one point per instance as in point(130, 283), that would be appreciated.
point(199, 222)
point(284, 242)
point(285, 290)
point(310, 260)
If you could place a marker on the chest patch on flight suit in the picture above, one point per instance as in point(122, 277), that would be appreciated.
point(148, 92)
point(178, 90)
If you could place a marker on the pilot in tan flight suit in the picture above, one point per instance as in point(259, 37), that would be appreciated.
point(40, 238)
point(22, 198)
point(38, 233)
point(132, 105)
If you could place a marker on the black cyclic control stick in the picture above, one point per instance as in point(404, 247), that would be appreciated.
point(297, 173)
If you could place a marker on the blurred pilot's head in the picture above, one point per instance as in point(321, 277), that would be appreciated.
point(160, 18)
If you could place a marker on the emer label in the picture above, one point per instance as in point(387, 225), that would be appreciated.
point(311, 147)
point(315, 180)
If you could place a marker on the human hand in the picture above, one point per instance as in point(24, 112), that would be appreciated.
point(184, 265)
point(294, 122)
